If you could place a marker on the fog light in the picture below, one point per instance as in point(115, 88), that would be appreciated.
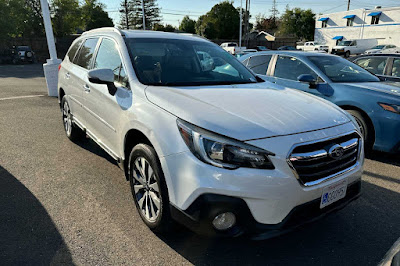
point(224, 221)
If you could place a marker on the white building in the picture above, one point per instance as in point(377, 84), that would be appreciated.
point(380, 23)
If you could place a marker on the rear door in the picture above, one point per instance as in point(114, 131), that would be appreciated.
point(78, 74)
point(104, 109)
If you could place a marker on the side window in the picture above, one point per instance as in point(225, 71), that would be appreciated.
point(74, 48)
point(259, 64)
point(85, 54)
point(108, 57)
point(245, 62)
point(291, 68)
point(375, 65)
point(396, 68)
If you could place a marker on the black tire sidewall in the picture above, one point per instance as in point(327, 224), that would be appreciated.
point(148, 152)
point(360, 119)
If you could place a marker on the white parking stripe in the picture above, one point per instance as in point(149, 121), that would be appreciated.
point(21, 97)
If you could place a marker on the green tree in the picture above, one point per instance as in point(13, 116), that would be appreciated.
point(66, 17)
point(187, 25)
point(132, 15)
point(94, 16)
point(268, 24)
point(222, 22)
point(298, 22)
point(160, 27)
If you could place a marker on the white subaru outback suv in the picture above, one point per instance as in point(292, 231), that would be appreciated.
point(204, 141)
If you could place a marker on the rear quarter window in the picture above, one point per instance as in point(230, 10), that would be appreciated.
point(73, 49)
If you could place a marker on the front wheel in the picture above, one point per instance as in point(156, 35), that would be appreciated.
point(149, 189)
point(347, 54)
point(365, 131)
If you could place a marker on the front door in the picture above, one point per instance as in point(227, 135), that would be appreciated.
point(103, 109)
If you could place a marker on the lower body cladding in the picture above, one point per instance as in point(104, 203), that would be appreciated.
point(258, 202)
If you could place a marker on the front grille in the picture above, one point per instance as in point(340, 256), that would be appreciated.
point(318, 161)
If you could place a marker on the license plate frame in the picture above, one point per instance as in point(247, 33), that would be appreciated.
point(333, 193)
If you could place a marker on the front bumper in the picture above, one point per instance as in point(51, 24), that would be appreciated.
point(387, 126)
point(269, 196)
point(198, 217)
point(338, 52)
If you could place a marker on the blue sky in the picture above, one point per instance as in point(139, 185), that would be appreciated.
point(173, 11)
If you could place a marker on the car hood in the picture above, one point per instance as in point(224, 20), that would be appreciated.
point(248, 111)
point(383, 86)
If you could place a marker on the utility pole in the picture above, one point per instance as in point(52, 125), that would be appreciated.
point(144, 19)
point(246, 21)
point(51, 67)
point(348, 5)
point(240, 26)
point(127, 14)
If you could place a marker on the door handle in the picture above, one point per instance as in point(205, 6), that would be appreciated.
point(67, 75)
point(86, 88)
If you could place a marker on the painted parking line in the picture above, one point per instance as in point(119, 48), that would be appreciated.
point(21, 97)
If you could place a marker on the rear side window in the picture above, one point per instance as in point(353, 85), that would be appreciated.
point(108, 57)
point(259, 64)
point(74, 48)
point(375, 65)
point(291, 68)
point(85, 54)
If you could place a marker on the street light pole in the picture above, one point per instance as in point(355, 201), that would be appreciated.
point(144, 20)
point(240, 26)
point(51, 67)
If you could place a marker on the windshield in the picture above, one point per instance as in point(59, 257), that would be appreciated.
point(341, 70)
point(173, 62)
point(344, 43)
point(378, 47)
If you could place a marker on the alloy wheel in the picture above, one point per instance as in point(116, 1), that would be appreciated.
point(146, 189)
point(67, 118)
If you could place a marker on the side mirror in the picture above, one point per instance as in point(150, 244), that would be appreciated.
point(103, 76)
point(307, 78)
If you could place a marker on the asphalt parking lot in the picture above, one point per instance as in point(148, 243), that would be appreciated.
point(69, 203)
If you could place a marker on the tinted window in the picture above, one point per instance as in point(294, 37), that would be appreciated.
point(341, 70)
point(374, 65)
point(108, 57)
point(172, 62)
point(396, 68)
point(291, 68)
point(85, 54)
point(259, 64)
point(73, 49)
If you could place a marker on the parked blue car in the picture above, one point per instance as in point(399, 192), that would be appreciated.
point(374, 104)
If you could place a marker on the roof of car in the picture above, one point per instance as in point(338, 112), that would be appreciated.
point(370, 55)
point(145, 34)
point(286, 52)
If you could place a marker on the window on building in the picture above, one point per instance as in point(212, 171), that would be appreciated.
point(324, 24)
point(374, 20)
point(350, 22)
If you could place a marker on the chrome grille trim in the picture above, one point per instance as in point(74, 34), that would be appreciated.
point(320, 158)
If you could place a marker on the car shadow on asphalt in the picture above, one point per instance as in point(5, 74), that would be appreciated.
point(28, 235)
point(91, 146)
point(384, 157)
point(25, 71)
point(359, 234)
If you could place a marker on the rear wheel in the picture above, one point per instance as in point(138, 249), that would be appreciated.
point(72, 131)
point(149, 189)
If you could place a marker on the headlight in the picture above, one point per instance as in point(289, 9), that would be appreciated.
point(390, 107)
point(222, 151)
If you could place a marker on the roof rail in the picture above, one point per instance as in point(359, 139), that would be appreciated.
point(105, 29)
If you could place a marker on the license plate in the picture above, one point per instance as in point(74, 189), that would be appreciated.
point(333, 193)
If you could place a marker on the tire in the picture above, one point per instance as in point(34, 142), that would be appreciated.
point(347, 54)
point(149, 189)
point(365, 130)
point(73, 132)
